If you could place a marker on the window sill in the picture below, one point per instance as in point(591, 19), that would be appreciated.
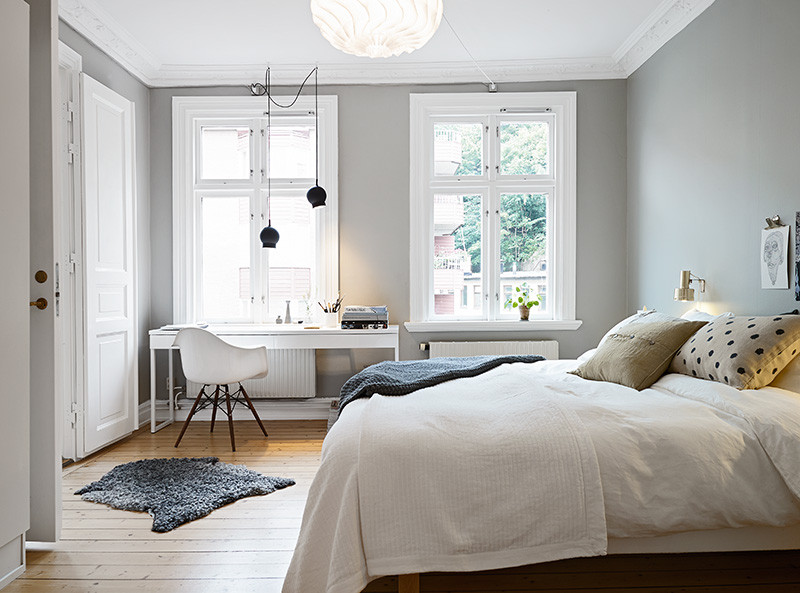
point(491, 326)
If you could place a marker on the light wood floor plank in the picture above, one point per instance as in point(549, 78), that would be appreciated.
point(245, 546)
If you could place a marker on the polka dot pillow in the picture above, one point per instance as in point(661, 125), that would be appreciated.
point(743, 352)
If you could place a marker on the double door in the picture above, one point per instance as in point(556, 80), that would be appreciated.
point(97, 267)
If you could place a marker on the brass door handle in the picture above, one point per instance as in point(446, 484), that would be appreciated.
point(40, 303)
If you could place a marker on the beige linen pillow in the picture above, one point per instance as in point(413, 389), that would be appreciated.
point(639, 352)
point(743, 352)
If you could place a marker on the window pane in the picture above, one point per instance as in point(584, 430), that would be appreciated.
point(293, 151)
point(226, 258)
point(458, 149)
point(523, 245)
point(525, 148)
point(291, 263)
point(225, 152)
point(457, 282)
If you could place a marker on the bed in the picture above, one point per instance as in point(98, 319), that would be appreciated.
point(528, 463)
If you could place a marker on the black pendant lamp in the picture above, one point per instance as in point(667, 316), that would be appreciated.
point(316, 196)
point(269, 234)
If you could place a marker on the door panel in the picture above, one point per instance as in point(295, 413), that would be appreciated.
point(109, 244)
point(14, 271)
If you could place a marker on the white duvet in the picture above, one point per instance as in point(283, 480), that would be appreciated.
point(526, 464)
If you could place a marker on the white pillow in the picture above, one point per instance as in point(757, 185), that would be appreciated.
point(698, 315)
point(789, 377)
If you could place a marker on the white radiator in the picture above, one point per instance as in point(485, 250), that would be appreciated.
point(546, 348)
point(292, 373)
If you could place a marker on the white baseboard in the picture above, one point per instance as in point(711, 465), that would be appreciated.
point(12, 560)
point(144, 414)
point(318, 408)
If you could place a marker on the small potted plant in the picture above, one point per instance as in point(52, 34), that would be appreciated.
point(523, 300)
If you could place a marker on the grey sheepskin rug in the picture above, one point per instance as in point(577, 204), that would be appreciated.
point(178, 490)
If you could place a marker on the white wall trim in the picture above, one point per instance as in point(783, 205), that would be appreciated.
point(18, 543)
point(143, 414)
point(92, 21)
point(99, 27)
point(317, 408)
point(491, 326)
point(380, 73)
point(667, 20)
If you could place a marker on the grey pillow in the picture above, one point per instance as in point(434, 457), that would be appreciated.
point(743, 352)
point(639, 352)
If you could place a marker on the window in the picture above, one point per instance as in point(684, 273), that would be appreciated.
point(492, 208)
point(223, 198)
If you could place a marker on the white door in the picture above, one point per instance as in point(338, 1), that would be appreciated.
point(109, 258)
point(14, 295)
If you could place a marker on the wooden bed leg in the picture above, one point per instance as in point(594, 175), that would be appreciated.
point(408, 583)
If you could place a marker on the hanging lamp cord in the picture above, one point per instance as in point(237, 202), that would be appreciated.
point(269, 150)
point(489, 82)
point(259, 90)
point(316, 125)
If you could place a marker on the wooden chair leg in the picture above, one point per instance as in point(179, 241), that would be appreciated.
point(214, 409)
point(191, 413)
point(230, 416)
point(253, 409)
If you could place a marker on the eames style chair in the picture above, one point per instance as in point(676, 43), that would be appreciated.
point(212, 362)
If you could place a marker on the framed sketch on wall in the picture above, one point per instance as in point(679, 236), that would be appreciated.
point(797, 256)
point(774, 256)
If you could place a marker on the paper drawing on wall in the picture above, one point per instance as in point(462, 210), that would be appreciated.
point(774, 255)
point(797, 256)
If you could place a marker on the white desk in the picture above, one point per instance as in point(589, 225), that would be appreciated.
point(275, 337)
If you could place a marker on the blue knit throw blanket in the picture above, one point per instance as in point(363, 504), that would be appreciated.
point(407, 376)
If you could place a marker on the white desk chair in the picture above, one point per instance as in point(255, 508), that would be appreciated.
point(208, 360)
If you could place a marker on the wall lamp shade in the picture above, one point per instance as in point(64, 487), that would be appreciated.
point(269, 236)
point(377, 28)
point(684, 292)
point(316, 196)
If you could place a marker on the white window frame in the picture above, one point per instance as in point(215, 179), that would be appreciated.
point(562, 232)
point(187, 112)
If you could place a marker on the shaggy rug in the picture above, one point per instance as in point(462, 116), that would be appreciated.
point(178, 490)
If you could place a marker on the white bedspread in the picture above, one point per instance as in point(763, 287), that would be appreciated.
point(446, 478)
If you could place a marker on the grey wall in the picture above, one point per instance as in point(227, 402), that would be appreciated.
point(374, 225)
point(714, 148)
point(105, 70)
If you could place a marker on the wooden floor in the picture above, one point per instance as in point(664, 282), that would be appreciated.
point(247, 545)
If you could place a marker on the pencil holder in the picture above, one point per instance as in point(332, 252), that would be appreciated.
point(330, 319)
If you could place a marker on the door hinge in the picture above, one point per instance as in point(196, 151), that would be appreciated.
point(73, 262)
point(74, 410)
point(70, 110)
point(72, 150)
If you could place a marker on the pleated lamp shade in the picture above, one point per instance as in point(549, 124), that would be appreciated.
point(377, 28)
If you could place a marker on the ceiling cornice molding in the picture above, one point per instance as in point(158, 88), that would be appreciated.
point(667, 20)
point(100, 28)
point(398, 73)
point(95, 24)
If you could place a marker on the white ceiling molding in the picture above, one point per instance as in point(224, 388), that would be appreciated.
point(405, 73)
point(93, 22)
point(666, 21)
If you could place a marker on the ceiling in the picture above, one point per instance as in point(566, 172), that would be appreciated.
point(203, 42)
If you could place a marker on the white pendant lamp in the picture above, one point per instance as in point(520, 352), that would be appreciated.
point(377, 28)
